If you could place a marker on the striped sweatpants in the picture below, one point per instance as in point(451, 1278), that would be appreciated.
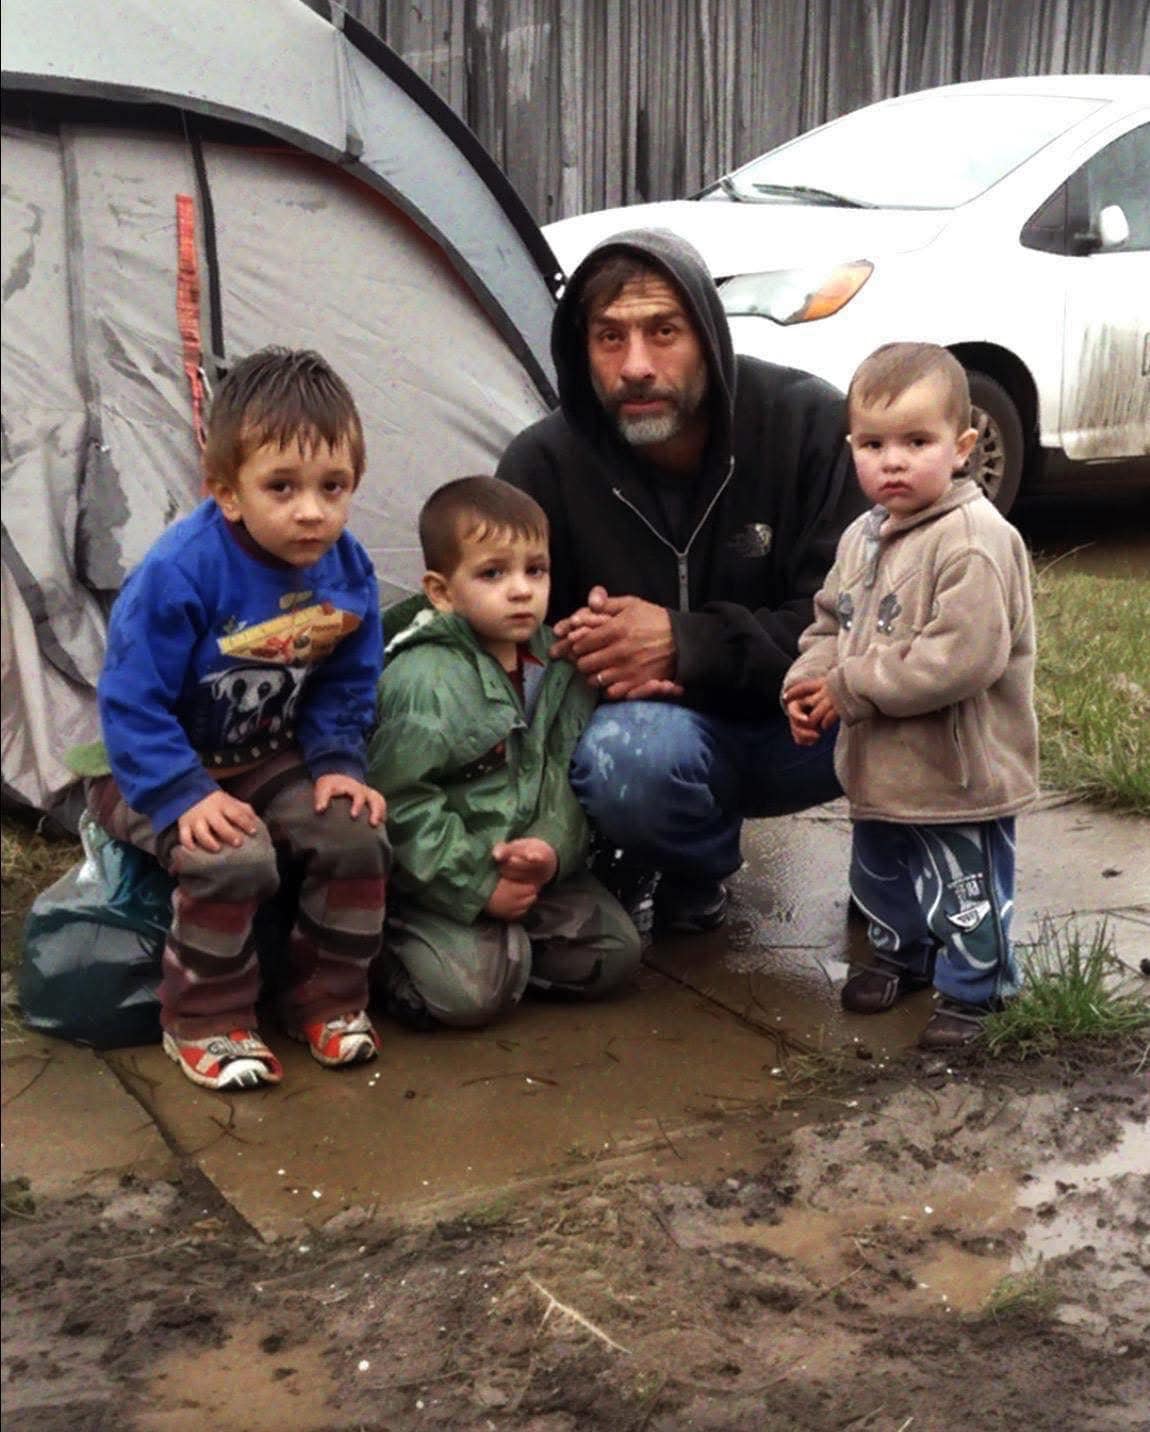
point(211, 968)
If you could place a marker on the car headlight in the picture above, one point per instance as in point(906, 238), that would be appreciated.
point(795, 295)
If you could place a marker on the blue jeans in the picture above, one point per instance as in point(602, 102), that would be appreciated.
point(671, 787)
point(938, 901)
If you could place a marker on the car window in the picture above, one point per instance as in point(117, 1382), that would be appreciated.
point(930, 153)
point(1068, 222)
point(1048, 228)
point(1120, 174)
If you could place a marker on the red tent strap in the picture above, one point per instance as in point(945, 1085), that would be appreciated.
point(188, 307)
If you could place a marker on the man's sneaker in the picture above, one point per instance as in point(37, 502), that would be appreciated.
point(632, 884)
point(637, 897)
point(394, 988)
point(690, 907)
point(954, 1025)
point(239, 1060)
point(343, 1039)
point(875, 987)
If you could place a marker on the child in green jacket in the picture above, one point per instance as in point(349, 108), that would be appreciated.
point(476, 730)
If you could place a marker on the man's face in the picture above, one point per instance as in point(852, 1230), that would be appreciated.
point(647, 364)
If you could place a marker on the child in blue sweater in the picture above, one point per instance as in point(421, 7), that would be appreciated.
point(236, 699)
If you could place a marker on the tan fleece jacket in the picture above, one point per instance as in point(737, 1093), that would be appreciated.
point(925, 632)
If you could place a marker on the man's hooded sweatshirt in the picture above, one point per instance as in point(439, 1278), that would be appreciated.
point(761, 520)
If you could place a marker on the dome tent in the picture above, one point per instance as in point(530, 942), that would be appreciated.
point(185, 183)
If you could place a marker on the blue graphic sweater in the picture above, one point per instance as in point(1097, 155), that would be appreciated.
point(220, 655)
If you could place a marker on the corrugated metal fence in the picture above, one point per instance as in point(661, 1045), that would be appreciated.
point(616, 101)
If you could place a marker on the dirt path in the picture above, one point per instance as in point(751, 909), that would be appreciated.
point(845, 1279)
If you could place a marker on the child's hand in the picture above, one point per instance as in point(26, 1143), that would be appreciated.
point(822, 713)
point(528, 860)
point(801, 733)
point(796, 701)
point(810, 709)
point(216, 821)
point(511, 899)
point(327, 788)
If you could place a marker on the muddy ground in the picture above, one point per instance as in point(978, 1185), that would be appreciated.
point(918, 1247)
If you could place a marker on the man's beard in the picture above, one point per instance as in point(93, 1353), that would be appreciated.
point(646, 430)
point(657, 428)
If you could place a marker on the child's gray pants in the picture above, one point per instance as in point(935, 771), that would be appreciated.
point(576, 940)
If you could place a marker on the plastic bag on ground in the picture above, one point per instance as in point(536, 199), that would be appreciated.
point(92, 946)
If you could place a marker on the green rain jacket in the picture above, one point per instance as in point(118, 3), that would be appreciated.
point(462, 767)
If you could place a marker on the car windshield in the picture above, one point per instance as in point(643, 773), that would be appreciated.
point(932, 153)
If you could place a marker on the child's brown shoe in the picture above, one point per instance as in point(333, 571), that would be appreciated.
point(953, 1025)
point(873, 988)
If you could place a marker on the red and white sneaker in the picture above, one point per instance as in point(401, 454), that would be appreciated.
point(343, 1039)
point(239, 1060)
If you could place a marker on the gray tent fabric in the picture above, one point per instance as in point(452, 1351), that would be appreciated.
point(342, 217)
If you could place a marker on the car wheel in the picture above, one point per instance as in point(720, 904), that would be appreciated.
point(996, 462)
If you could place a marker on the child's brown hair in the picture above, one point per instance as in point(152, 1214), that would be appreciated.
point(895, 367)
point(474, 507)
point(280, 396)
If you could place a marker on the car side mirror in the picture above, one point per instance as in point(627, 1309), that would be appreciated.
point(1113, 227)
point(1111, 231)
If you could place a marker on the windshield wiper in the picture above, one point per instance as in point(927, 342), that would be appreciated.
point(817, 196)
point(732, 190)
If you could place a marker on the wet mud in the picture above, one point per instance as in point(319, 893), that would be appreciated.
point(917, 1248)
point(714, 1202)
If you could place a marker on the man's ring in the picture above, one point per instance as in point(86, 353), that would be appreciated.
point(599, 679)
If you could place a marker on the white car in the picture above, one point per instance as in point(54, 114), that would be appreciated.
point(1008, 220)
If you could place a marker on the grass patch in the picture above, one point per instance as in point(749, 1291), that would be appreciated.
point(1093, 685)
point(807, 1068)
point(1075, 988)
point(31, 862)
point(1029, 1294)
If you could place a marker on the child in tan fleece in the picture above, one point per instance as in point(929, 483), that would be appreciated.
point(922, 647)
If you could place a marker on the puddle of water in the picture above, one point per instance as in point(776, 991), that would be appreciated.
point(781, 958)
point(1072, 1204)
point(823, 1242)
point(240, 1385)
point(954, 1278)
point(1088, 1204)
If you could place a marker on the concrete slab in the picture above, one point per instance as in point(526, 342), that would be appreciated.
point(69, 1124)
point(782, 956)
point(675, 1076)
point(1078, 862)
point(461, 1118)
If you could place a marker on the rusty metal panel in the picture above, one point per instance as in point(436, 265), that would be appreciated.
point(588, 105)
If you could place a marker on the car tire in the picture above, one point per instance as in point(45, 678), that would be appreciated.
point(997, 459)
